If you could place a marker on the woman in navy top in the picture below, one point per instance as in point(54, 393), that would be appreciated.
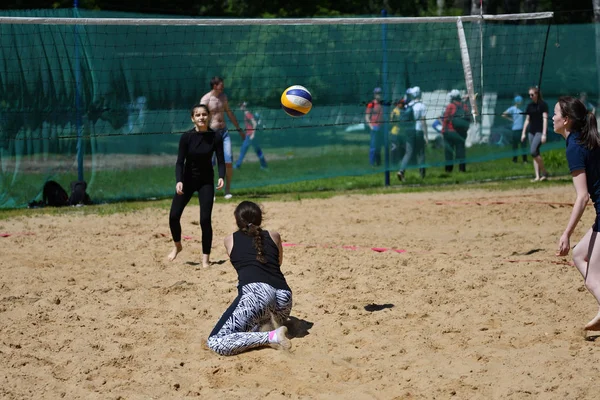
point(579, 128)
point(264, 298)
point(194, 173)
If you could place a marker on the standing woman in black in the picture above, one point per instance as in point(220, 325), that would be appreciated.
point(537, 122)
point(194, 172)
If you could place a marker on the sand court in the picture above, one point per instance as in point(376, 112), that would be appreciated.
point(396, 296)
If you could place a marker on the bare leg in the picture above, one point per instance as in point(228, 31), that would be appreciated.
point(228, 176)
point(581, 253)
point(536, 167)
point(176, 250)
point(270, 325)
point(541, 168)
point(205, 260)
point(587, 262)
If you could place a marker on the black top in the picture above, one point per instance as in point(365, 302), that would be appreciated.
point(249, 269)
point(536, 116)
point(194, 159)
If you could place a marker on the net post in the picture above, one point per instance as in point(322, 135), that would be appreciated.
point(78, 119)
point(466, 63)
point(384, 95)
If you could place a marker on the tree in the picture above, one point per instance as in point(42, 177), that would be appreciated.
point(531, 6)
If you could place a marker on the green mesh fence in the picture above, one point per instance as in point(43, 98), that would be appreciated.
point(109, 102)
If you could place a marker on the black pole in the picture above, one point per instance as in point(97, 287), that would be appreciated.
point(78, 119)
point(385, 102)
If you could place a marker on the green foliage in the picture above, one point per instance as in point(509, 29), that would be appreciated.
point(312, 170)
point(498, 175)
point(555, 160)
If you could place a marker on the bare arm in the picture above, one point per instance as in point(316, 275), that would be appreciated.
point(424, 125)
point(525, 125)
point(204, 99)
point(544, 126)
point(277, 239)
point(580, 183)
point(234, 121)
point(228, 242)
point(253, 122)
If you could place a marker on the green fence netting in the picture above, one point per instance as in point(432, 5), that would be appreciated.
point(110, 102)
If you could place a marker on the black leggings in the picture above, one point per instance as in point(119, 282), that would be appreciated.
point(206, 193)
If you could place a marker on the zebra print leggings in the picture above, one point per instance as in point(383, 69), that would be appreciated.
point(238, 328)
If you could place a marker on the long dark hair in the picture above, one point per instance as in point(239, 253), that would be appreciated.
point(248, 217)
point(582, 121)
point(538, 92)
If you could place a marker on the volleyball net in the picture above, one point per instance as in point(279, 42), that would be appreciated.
point(104, 97)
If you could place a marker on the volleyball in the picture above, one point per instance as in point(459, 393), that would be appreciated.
point(296, 101)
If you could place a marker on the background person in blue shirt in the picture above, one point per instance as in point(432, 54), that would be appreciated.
point(579, 128)
point(515, 115)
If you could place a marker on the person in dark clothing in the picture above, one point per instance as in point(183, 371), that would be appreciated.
point(194, 173)
point(264, 298)
point(537, 122)
point(454, 137)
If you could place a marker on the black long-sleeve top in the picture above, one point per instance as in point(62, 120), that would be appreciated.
point(194, 159)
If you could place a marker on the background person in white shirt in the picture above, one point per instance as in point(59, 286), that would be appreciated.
point(416, 139)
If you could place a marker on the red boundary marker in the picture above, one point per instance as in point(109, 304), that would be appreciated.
point(17, 234)
point(347, 247)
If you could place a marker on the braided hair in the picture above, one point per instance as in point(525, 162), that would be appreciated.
point(248, 217)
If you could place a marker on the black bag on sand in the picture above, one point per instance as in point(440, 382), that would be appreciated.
point(54, 195)
point(79, 194)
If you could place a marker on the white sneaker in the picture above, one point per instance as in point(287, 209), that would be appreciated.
point(228, 196)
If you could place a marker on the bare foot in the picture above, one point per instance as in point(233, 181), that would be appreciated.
point(535, 180)
point(594, 324)
point(205, 260)
point(272, 324)
point(176, 250)
point(283, 343)
point(266, 327)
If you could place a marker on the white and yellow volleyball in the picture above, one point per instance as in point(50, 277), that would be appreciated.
point(296, 101)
